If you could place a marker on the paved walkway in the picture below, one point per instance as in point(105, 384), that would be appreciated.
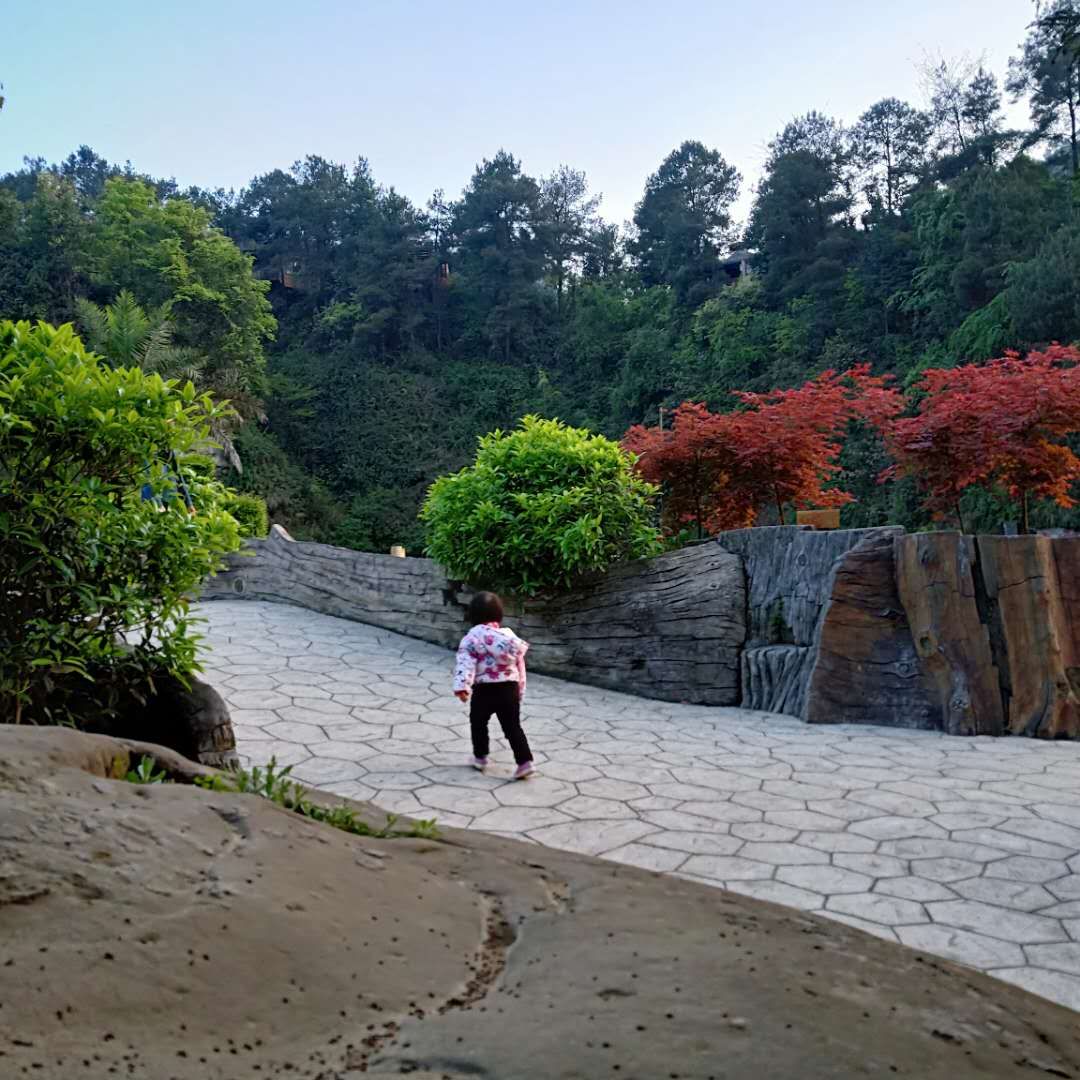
point(968, 848)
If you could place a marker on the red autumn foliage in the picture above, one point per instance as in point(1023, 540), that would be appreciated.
point(693, 460)
point(997, 424)
point(719, 469)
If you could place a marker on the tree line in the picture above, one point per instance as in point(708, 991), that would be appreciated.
point(372, 340)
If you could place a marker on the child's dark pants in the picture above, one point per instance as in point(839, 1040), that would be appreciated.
point(502, 700)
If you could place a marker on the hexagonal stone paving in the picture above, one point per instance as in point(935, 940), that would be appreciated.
point(968, 848)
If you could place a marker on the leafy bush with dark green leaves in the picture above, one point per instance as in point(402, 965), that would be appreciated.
point(250, 512)
point(539, 508)
point(95, 579)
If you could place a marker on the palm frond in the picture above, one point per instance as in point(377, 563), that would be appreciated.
point(129, 326)
point(94, 325)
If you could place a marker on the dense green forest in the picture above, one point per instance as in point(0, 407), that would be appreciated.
point(368, 341)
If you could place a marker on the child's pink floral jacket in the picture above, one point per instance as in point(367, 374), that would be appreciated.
point(490, 654)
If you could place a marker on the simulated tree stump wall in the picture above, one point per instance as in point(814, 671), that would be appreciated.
point(936, 582)
point(935, 630)
point(1032, 600)
point(789, 575)
point(671, 628)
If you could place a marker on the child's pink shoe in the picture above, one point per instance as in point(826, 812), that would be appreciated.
point(524, 770)
point(479, 763)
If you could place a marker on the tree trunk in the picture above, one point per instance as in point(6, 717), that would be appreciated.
point(959, 515)
point(779, 507)
point(1024, 527)
point(959, 129)
point(889, 178)
point(1072, 138)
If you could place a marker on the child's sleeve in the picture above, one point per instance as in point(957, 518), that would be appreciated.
point(524, 648)
point(464, 666)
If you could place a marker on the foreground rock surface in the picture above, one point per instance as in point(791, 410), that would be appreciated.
point(163, 931)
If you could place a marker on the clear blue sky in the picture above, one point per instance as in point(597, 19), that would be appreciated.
point(214, 93)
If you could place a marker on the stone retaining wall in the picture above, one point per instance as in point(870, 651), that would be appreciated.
point(936, 630)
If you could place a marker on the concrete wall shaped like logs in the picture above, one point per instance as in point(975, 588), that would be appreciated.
point(671, 627)
point(934, 630)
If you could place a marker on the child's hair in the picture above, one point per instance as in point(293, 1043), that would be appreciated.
point(485, 607)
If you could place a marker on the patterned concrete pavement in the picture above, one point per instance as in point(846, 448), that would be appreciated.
point(967, 848)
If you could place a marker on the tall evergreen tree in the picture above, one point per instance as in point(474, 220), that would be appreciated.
point(495, 231)
point(1047, 71)
point(684, 220)
point(566, 215)
point(801, 218)
point(890, 144)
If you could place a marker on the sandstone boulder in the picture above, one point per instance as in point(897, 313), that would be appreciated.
point(164, 931)
point(866, 669)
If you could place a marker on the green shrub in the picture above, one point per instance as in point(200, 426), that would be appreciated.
point(250, 513)
point(540, 507)
point(95, 580)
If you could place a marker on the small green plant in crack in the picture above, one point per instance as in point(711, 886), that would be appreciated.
point(276, 784)
point(778, 632)
point(146, 773)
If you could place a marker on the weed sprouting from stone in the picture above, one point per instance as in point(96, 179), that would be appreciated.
point(146, 772)
point(275, 783)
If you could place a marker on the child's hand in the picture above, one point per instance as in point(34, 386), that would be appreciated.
point(461, 695)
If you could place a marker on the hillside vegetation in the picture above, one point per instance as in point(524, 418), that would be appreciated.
point(368, 341)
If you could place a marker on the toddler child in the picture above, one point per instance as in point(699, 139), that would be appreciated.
point(491, 665)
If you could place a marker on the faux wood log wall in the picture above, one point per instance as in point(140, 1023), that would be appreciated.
point(970, 636)
point(410, 596)
point(775, 677)
point(936, 583)
point(1031, 589)
point(670, 628)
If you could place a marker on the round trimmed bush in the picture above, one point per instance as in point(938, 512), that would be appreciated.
point(539, 508)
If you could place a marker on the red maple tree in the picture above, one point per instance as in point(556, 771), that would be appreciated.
point(693, 461)
point(997, 424)
point(719, 469)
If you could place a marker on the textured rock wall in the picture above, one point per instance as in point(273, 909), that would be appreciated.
point(791, 574)
point(671, 628)
point(865, 666)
